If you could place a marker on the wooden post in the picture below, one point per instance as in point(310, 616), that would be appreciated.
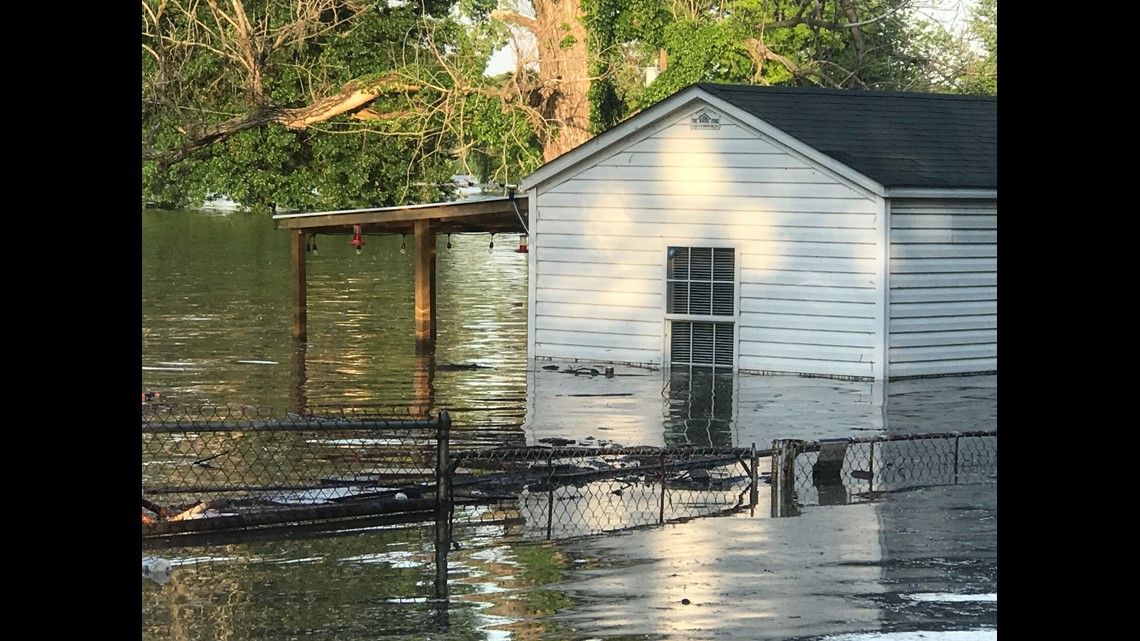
point(423, 385)
point(784, 453)
point(298, 399)
point(298, 286)
point(425, 288)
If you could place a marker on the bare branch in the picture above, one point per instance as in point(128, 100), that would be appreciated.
point(824, 24)
point(760, 52)
point(516, 19)
point(296, 118)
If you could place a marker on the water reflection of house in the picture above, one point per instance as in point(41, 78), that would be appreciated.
point(640, 406)
point(764, 229)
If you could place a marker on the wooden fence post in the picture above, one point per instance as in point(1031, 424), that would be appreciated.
point(784, 453)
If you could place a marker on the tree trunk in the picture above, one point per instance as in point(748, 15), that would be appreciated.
point(564, 73)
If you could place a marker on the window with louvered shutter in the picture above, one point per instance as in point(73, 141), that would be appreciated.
point(701, 282)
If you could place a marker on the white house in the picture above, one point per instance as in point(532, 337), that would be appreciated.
point(838, 233)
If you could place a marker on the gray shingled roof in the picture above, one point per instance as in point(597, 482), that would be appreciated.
point(897, 139)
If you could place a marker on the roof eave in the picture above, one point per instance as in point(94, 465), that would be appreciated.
point(926, 192)
point(496, 214)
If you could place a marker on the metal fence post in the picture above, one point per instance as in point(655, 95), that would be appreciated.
point(550, 495)
point(871, 469)
point(661, 514)
point(956, 440)
point(443, 500)
point(754, 495)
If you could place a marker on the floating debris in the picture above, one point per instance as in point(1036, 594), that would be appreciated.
point(157, 569)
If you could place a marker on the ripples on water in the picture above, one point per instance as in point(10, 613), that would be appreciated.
point(216, 321)
point(216, 330)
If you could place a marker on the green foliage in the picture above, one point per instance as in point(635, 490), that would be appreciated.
point(339, 163)
point(982, 73)
point(703, 51)
point(624, 36)
point(711, 41)
point(455, 119)
point(507, 146)
point(956, 61)
point(478, 11)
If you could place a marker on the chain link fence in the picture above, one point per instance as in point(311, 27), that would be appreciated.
point(842, 471)
point(543, 493)
point(222, 467)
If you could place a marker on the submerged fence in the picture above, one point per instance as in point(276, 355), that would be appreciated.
point(852, 470)
point(213, 469)
point(225, 468)
point(563, 492)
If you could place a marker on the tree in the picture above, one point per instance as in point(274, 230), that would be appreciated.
point(952, 58)
point(343, 103)
point(560, 53)
point(981, 72)
point(331, 103)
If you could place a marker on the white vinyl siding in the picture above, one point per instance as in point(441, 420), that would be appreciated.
point(807, 253)
point(943, 298)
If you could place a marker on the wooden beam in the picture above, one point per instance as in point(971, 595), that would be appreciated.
point(425, 287)
point(459, 211)
point(298, 287)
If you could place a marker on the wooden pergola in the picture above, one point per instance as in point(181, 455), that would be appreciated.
point(503, 214)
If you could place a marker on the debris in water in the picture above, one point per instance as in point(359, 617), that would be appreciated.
point(156, 569)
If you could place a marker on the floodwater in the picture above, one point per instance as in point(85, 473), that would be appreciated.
point(216, 330)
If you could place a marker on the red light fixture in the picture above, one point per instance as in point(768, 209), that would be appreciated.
point(356, 241)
